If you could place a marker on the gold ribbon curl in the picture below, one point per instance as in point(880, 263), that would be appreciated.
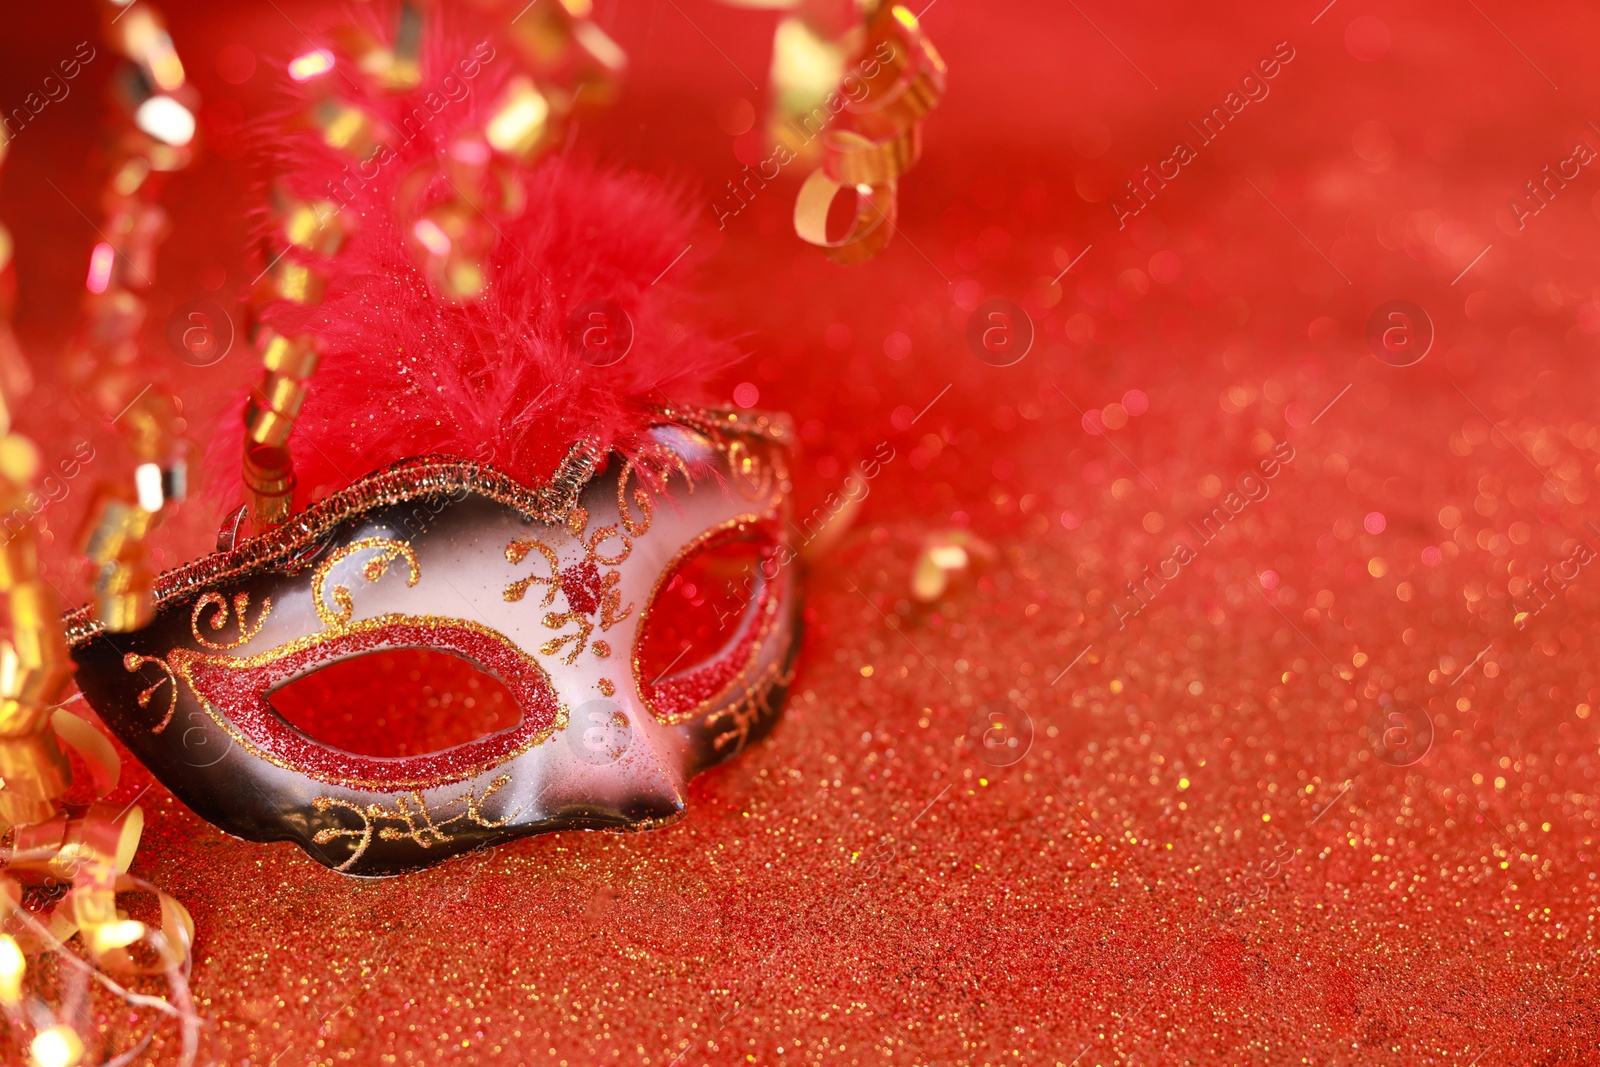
point(881, 138)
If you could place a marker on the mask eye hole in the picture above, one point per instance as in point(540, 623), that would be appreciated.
point(397, 702)
point(704, 623)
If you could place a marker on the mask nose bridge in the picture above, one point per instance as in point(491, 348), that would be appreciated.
point(610, 756)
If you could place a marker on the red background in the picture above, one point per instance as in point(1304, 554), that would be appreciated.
point(862, 888)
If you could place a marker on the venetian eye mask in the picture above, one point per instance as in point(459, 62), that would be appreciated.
point(583, 604)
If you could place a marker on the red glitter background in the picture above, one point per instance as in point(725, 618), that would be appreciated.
point(1203, 856)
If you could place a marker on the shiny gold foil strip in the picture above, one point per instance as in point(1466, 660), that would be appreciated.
point(850, 158)
point(816, 54)
point(88, 849)
point(869, 232)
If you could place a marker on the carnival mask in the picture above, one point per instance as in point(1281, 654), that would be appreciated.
point(642, 620)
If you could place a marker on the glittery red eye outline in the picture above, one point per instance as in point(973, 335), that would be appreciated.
point(234, 693)
point(679, 697)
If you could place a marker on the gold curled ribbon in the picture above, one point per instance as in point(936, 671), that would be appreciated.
point(869, 232)
point(90, 911)
point(53, 840)
point(904, 78)
point(916, 76)
point(92, 746)
point(851, 158)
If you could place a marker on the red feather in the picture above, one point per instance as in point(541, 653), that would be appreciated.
point(406, 372)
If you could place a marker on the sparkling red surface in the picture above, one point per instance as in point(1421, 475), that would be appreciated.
point(1202, 858)
point(399, 702)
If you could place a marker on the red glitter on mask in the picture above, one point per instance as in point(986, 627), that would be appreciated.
point(240, 696)
point(398, 702)
point(582, 586)
point(705, 626)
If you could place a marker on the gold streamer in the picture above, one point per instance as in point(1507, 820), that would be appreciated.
point(48, 842)
point(866, 141)
point(870, 231)
point(159, 123)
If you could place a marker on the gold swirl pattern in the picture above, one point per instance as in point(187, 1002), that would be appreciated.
point(375, 568)
point(754, 704)
point(579, 640)
point(591, 585)
point(600, 537)
point(412, 813)
point(132, 662)
point(241, 601)
point(516, 552)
